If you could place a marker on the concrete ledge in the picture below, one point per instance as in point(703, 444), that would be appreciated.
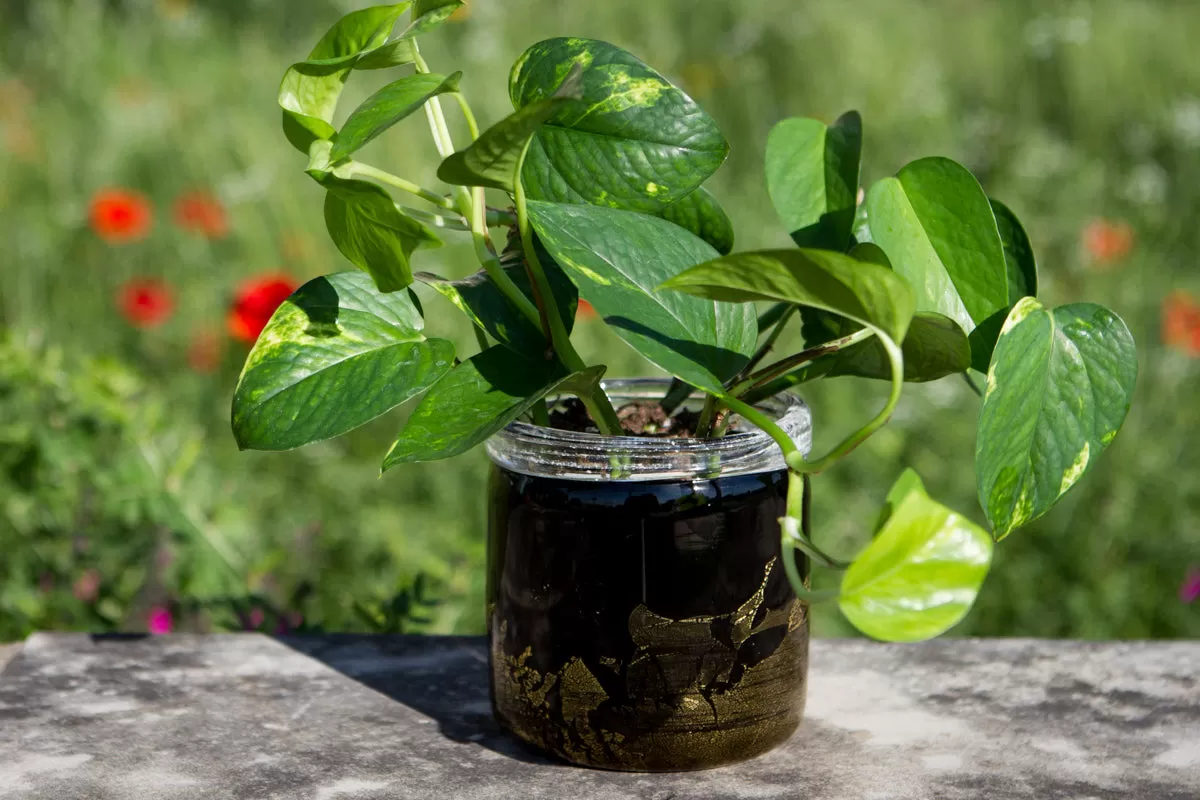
point(360, 718)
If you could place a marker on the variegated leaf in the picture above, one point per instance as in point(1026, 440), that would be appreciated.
point(1059, 386)
point(635, 141)
point(336, 354)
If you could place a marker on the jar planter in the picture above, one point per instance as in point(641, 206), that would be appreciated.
point(639, 617)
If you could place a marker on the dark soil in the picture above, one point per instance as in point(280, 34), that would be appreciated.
point(639, 418)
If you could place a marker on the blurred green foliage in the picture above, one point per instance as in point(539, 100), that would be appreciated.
point(1067, 111)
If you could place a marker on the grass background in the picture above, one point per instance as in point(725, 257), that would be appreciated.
point(116, 458)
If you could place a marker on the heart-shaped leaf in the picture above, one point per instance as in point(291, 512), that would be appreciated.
point(493, 159)
point(701, 214)
point(386, 107)
point(478, 398)
point(866, 293)
point(812, 177)
point(938, 229)
point(335, 355)
point(428, 14)
point(310, 89)
point(618, 258)
point(371, 232)
point(1058, 389)
point(635, 141)
point(920, 574)
point(481, 300)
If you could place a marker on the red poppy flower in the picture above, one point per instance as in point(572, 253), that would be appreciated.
point(145, 302)
point(256, 301)
point(585, 310)
point(1181, 323)
point(204, 351)
point(201, 213)
point(1107, 242)
point(120, 215)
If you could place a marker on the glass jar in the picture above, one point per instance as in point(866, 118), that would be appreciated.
point(639, 617)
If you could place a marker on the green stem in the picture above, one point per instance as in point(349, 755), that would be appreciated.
point(472, 125)
point(596, 401)
point(971, 382)
point(355, 168)
point(763, 423)
point(797, 461)
point(765, 348)
point(794, 534)
point(601, 410)
point(497, 218)
point(437, 220)
point(785, 365)
point(708, 414)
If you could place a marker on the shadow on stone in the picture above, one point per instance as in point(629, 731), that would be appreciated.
point(442, 677)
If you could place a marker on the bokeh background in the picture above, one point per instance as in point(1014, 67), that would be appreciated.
point(152, 214)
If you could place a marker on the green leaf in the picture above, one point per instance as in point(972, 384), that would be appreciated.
point(618, 258)
point(1018, 253)
point(1058, 389)
point(812, 177)
point(485, 305)
point(1022, 282)
point(357, 32)
point(478, 398)
point(335, 355)
point(386, 107)
point(635, 142)
point(429, 14)
point(393, 54)
point(371, 232)
point(921, 573)
point(702, 215)
point(937, 227)
point(866, 293)
point(493, 159)
point(934, 347)
point(309, 91)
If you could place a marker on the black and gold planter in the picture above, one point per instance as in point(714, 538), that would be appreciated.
point(638, 613)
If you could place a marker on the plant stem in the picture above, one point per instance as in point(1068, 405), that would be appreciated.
point(366, 170)
point(766, 346)
point(707, 414)
point(596, 401)
point(497, 217)
point(764, 423)
point(468, 115)
point(471, 204)
point(797, 461)
point(437, 220)
point(784, 365)
point(971, 382)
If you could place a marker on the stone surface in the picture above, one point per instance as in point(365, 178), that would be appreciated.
point(350, 718)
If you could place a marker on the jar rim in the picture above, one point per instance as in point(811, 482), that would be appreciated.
point(577, 455)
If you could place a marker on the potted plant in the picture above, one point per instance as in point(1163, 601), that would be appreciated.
point(649, 541)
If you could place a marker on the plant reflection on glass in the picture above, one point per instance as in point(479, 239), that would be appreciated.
point(921, 277)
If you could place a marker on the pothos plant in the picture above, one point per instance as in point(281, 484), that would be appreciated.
point(602, 164)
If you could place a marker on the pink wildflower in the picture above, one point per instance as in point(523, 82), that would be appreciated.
point(1189, 590)
point(159, 620)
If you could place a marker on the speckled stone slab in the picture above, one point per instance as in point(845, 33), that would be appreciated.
point(365, 718)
